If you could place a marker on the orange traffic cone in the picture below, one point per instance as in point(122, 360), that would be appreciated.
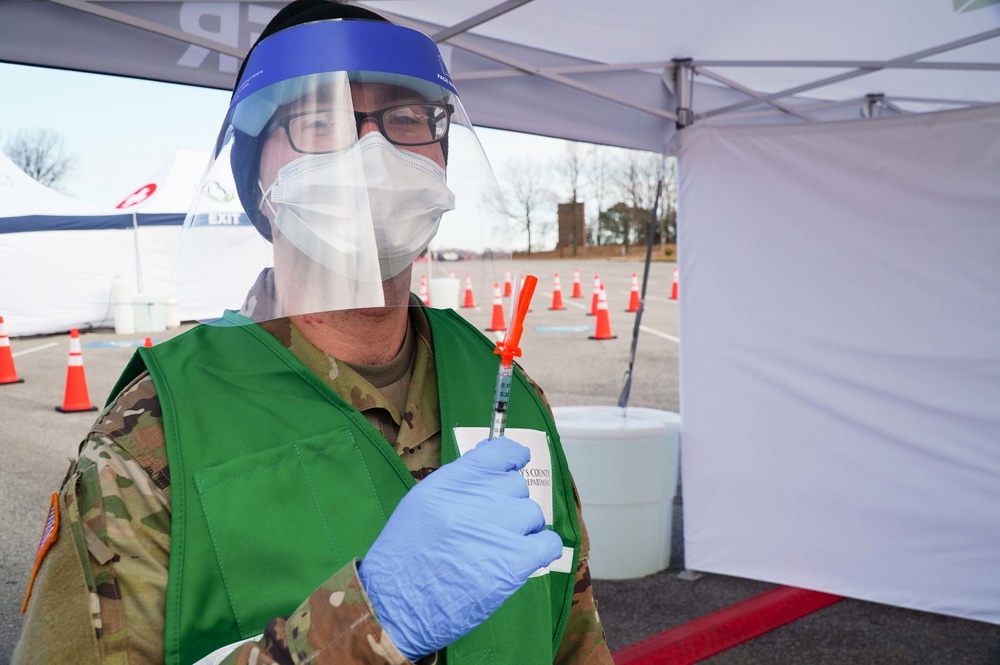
point(506, 284)
point(76, 397)
point(499, 321)
point(674, 290)
point(603, 329)
point(596, 296)
point(520, 287)
point(469, 300)
point(557, 301)
point(148, 343)
point(8, 373)
point(424, 296)
point(633, 296)
point(577, 290)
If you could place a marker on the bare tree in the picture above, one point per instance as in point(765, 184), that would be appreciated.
point(637, 189)
point(41, 154)
point(525, 192)
point(668, 204)
point(572, 167)
point(601, 166)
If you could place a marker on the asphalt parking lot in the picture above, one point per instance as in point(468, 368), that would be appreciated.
point(573, 370)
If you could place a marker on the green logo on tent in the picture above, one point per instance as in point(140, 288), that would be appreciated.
point(217, 192)
point(963, 6)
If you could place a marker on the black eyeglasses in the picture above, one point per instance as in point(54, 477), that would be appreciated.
point(330, 130)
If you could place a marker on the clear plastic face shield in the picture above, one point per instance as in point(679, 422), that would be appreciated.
point(355, 169)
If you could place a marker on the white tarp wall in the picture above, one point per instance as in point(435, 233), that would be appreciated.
point(840, 365)
point(51, 281)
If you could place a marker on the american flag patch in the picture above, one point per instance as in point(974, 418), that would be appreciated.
point(49, 534)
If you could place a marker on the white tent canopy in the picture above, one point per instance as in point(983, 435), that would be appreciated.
point(23, 197)
point(28, 205)
point(57, 256)
point(583, 69)
point(812, 458)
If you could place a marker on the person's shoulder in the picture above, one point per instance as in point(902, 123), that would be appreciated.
point(122, 415)
point(537, 388)
point(132, 425)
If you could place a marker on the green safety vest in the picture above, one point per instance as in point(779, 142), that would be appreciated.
point(271, 470)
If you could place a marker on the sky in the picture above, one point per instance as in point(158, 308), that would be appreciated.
point(123, 130)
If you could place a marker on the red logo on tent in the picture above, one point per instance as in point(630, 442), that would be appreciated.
point(138, 196)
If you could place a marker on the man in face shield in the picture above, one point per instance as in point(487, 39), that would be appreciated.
point(286, 486)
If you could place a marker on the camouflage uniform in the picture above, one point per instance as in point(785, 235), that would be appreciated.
point(106, 576)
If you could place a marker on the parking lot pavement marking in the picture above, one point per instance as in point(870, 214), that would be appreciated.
point(548, 294)
point(659, 299)
point(664, 335)
point(33, 349)
point(651, 331)
point(115, 344)
point(563, 329)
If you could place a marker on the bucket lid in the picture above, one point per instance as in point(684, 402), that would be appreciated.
point(606, 422)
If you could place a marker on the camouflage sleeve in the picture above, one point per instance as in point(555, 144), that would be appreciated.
point(584, 642)
point(117, 532)
point(335, 625)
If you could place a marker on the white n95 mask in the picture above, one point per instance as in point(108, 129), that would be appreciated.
point(365, 213)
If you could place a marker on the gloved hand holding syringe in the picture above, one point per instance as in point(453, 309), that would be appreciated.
point(465, 538)
point(508, 349)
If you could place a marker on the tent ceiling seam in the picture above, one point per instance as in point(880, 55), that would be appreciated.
point(753, 93)
point(937, 100)
point(599, 68)
point(849, 64)
point(464, 44)
point(596, 68)
point(478, 19)
point(148, 26)
point(819, 106)
point(950, 46)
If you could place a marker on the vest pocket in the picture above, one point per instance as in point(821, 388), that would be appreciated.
point(283, 520)
point(520, 631)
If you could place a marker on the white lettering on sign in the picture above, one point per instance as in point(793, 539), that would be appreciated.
point(220, 22)
point(260, 16)
point(224, 219)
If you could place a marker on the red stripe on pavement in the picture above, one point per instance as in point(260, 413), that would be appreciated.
point(716, 632)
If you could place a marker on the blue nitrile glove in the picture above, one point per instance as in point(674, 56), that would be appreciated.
point(458, 545)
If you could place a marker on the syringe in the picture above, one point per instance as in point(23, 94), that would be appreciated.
point(507, 350)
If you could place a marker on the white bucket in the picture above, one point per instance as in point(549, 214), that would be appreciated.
point(150, 313)
point(444, 292)
point(121, 305)
point(625, 469)
point(173, 316)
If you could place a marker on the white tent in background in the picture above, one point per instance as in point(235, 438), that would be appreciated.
point(840, 429)
point(158, 205)
point(58, 257)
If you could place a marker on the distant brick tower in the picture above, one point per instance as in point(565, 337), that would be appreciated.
point(571, 233)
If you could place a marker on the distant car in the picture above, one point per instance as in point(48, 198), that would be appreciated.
point(449, 256)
